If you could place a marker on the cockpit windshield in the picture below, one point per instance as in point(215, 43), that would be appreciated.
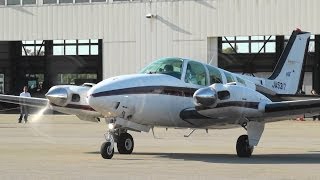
point(170, 66)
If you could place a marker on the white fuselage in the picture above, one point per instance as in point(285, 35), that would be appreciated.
point(163, 100)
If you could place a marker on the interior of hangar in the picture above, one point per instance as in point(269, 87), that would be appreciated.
point(40, 64)
point(258, 55)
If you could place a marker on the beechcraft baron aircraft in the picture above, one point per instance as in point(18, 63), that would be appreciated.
point(181, 93)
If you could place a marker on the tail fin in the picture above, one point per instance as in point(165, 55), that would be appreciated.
point(287, 75)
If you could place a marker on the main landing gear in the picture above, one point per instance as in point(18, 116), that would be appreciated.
point(243, 147)
point(124, 140)
point(245, 143)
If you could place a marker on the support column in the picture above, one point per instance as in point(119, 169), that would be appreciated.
point(100, 61)
point(316, 66)
point(48, 76)
point(279, 46)
point(212, 51)
point(15, 79)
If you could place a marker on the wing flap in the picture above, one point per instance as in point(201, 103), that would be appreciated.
point(27, 101)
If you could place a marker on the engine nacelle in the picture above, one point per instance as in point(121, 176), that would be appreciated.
point(230, 100)
point(205, 97)
point(58, 95)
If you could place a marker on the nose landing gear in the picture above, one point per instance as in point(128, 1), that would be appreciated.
point(107, 150)
point(124, 140)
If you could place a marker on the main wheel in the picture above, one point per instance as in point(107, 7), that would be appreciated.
point(106, 151)
point(125, 144)
point(243, 147)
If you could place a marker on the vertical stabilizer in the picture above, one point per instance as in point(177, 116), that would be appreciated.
point(287, 75)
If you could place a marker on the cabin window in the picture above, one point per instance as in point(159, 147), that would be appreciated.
point(214, 75)
point(196, 74)
point(229, 77)
point(241, 81)
point(169, 66)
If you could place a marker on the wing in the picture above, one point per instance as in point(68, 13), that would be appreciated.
point(236, 104)
point(229, 113)
point(82, 112)
point(277, 110)
point(27, 101)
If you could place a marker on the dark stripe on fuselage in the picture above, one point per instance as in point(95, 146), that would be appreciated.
point(191, 114)
point(76, 106)
point(194, 114)
point(167, 90)
point(251, 105)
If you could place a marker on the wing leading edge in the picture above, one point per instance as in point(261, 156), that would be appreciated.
point(27, 101)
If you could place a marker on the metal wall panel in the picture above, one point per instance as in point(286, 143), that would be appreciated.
point(181, 28)
point(187, 19)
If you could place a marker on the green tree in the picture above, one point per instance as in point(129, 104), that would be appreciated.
point(229, 50)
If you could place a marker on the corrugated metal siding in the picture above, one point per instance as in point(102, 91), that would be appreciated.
point(185, 19)
point(181, 28)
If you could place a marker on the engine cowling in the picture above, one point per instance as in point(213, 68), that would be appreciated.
point(58, 96)
point(207, 97)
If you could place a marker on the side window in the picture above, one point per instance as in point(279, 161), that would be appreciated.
point(196, 74)
point(214, 75)
point(229, 77)
point(241, 81)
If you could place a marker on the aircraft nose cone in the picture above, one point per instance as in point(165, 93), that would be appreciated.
point(58, 96)
point(100, 99)
point(93, 101)
point(205, 97)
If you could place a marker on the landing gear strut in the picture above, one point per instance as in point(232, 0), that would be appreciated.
point(107, 148)
point(246, 143)
point(124, 140)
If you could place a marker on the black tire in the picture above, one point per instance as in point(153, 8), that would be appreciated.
point(243, 147)
point(125, 144)
point(105, 150)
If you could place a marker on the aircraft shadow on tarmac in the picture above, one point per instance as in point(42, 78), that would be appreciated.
point(312, 157)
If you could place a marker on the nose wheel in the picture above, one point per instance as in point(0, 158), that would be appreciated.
point(124, 140)
point(107, 150)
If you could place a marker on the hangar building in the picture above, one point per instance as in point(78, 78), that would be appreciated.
point(49, 42)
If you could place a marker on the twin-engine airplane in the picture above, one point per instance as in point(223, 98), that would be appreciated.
point(182, 93)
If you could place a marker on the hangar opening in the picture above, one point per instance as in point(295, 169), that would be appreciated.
point(41, 64)
point(258, 55)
